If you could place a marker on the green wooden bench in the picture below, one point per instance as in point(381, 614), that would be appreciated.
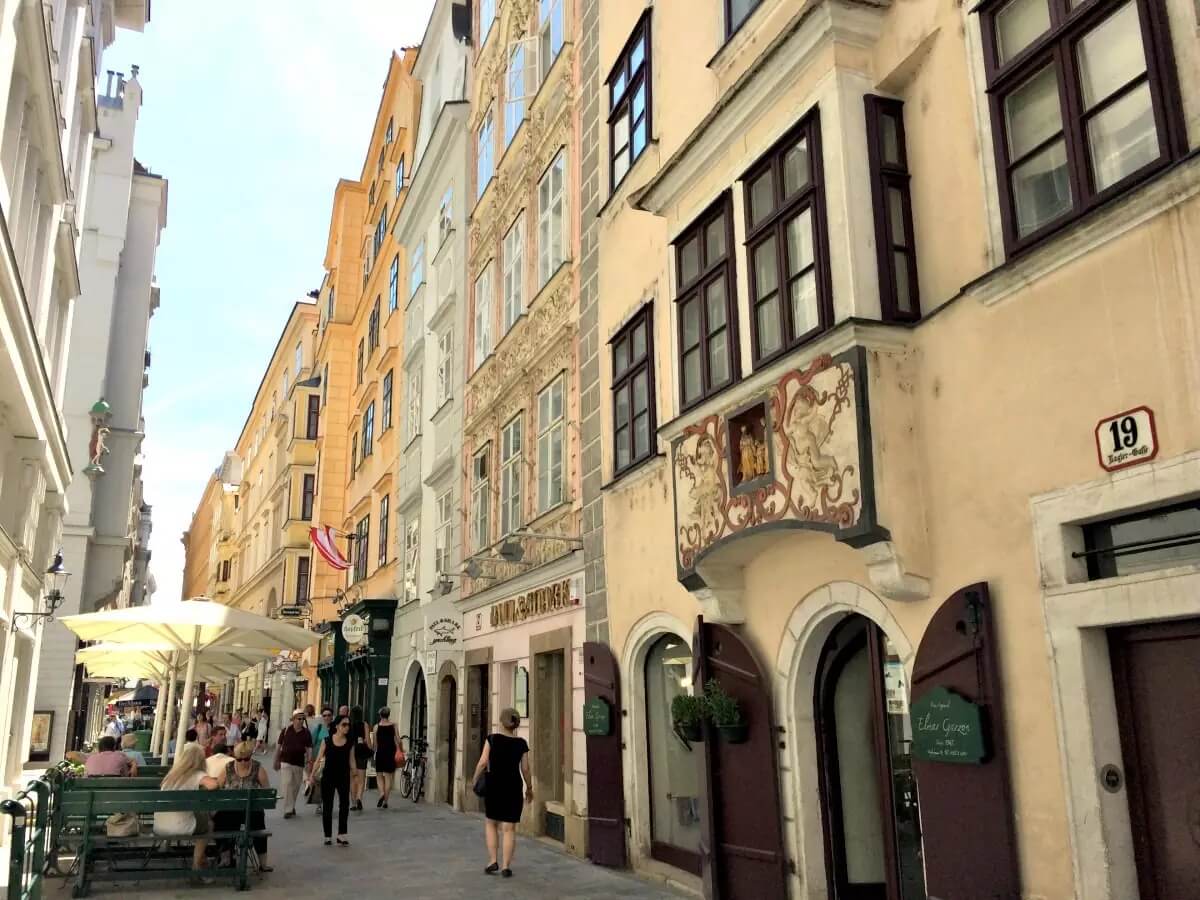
point(148, 771)
point(86, 809)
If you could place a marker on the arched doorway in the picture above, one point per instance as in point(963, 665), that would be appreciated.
point(418, 712)
point(868, 793)
point(447, 729)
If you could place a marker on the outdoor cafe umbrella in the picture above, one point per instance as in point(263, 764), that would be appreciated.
point(193, 628)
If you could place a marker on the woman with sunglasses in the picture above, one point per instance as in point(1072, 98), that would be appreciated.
point(334, 763)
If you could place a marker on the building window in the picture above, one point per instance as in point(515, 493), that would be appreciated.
point(483, 316)
point(1084, 104)
point(484, 154)
point(313, 418)
point(412, 556)
point(551, 31)
point(412, 405)
point(445, 373)
point(510, 476)
point(324, 383)
point(513, 264)
point(302, 566)
point(481, 529)
point(445, 221)
point(386, 411)
point(737, 12)
point(444, 517)
point(1143, 542)
point(895, 245)
point(399, 176)
point(705, 305)
point(353, 454)
point(329, 306)
point(551, 433)
point(362, 535)
point(368, 430)
point(299, 358)
point(382, 157)
point(380, 233)
point(629, 102)
point(308, 492)
point(371, 196)
point(384, 519)
point(373, 328)
point(416, 268)
point(225, 570)
point(785, 241)
point(394, 283)
point(552, 219)
point(633, 391)
point(361, 359)
point(390, 133)
point(520, 85)
point(487, 15)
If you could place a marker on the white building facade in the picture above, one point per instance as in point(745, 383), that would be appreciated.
point(427, 644)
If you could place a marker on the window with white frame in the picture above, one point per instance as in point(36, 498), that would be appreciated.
point(445, 372)
point(412, 405)
point(483, 316)
point(485, 150)
point(443, 517)
point(412, 551)
point(487, 15)
point(520, 85)
point(551, 32)
point(481, 528)
point(551, 435)
point(552, 219)
point(445, 219)
point(510, 476)
point(299, 358)
point(513, 263)
point(416, 268)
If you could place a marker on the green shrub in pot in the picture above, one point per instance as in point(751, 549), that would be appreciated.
point(687, 714)
point(725, 713)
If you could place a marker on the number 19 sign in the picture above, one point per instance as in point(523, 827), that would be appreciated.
point(1126, 439)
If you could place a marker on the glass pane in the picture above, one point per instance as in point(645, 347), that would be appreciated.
point(762, 197)
point(909, 848)
point(620, 165)
point(1032, 113)
point(766, 268)
point(639, 138)
point(858, 773)
point(641, 392)
point(1110, 55)
point(691, 375)
point(890, 135)
point(689, 261)
point(796, 168)
point(805, 315)
point(714, 241)
point(621, 445)
point(800, 242)
point(690, 314)
point(770, 331)
point(896, 216)
point(674, 780)
point(1156, 526)
point(637, 54)
point(718, 358)
point(620, 134)
point(618, 85)
point(641, 435)
point(714, 298)
point(738, 11)
point(1041, 188)
point(1123, 138)
point(620, 356)
point(621, 405)
point(639, 100)
point(903, 294)
point(639, 342)
point(1019, 24)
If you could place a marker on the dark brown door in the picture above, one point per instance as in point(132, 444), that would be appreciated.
point(1155, 671)
point(970, 848)
point(742, 837)
point(450, 705)
point(605, 784)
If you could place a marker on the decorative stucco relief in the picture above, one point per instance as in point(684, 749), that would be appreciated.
point(796, 455)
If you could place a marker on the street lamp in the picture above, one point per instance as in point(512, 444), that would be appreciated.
point(57, 579)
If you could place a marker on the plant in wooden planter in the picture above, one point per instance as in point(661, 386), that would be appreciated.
point(687, 715)
point(725, 713)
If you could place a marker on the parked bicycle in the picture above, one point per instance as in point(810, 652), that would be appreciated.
point(412, 776)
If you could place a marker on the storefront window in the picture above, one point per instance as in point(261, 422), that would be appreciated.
point(674, 780)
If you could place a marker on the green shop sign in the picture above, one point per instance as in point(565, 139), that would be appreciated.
point(947, 728)
point(597, 718)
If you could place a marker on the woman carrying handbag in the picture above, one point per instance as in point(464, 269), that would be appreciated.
point(503, 767)
point(387, 755)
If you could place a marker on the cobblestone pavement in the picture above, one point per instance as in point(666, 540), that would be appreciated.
point(420, 852)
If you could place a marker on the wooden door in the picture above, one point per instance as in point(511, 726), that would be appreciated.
point(1155, 671)
point(605, 782)
point(742, 845)
point(970, 847)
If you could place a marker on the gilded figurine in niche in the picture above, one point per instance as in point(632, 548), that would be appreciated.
point(751, 457)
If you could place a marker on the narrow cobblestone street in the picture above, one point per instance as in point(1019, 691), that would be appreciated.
point(419, 852)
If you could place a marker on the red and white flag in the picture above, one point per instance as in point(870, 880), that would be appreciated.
point(324, 539)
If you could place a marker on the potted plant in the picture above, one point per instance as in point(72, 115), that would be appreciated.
point(687, 715)
point(725, 713)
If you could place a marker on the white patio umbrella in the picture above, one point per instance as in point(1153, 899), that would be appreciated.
point(193, 628)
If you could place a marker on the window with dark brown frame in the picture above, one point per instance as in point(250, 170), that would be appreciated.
point(629, 96)
point(1085, 104)
point(633, 391)
point(895, 245)
point(737, 12)
point(308, 492)
point(312, 420)
point(706, 304)
point(787, 244)
point(302, 566)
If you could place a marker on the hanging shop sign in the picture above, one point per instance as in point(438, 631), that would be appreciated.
point(597, 718)
point(1126, 439)
point(539, 602)
point(947, 728)
point(354, 629)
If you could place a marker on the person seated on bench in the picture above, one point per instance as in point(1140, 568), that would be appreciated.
point(129, 748)
point(108, 760)
point(242, 772)
point(215, 764)
point(187, 775)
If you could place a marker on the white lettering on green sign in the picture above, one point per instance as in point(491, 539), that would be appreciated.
point(947, 728)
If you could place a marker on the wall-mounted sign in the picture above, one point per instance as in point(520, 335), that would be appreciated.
point(597, 718)
point(947, 728)
point(1126, 439)
point(354, 629)
point(444, 631)
point(381, 682)
point(290, 612)
point(539, 602)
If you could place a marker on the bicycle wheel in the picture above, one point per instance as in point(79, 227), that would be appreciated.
point(418, 782)
point(406, 780)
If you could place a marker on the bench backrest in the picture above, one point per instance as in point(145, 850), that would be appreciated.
point(104, 803)
point(111, 783)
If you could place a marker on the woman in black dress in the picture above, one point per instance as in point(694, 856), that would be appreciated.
point(360, 734)
point(505, 757)
point(336, 753)
point(384, 740)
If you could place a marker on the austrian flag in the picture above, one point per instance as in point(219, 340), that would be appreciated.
point(324, 538)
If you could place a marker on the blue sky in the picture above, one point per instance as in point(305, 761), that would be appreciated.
point(252, 114)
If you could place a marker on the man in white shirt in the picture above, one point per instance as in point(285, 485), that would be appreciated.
point(112, 728)
point(220, 758)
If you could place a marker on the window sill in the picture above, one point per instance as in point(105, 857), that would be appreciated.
point(443, 408)
point(408, 445)
point(643, 467)
point(413, 294)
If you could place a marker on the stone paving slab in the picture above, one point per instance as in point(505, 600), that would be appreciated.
point(422, 852)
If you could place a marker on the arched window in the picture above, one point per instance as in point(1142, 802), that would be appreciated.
point(418, 715)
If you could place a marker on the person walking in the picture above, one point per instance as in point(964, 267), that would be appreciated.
point(505, 758)
point(264, 727)
point(383, 738)
point(360, 734)
point(334, 760)
point(293, 756)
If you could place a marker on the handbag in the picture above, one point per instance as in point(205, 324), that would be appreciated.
point(400, 758)
point(480, 785)
point(122, 825)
